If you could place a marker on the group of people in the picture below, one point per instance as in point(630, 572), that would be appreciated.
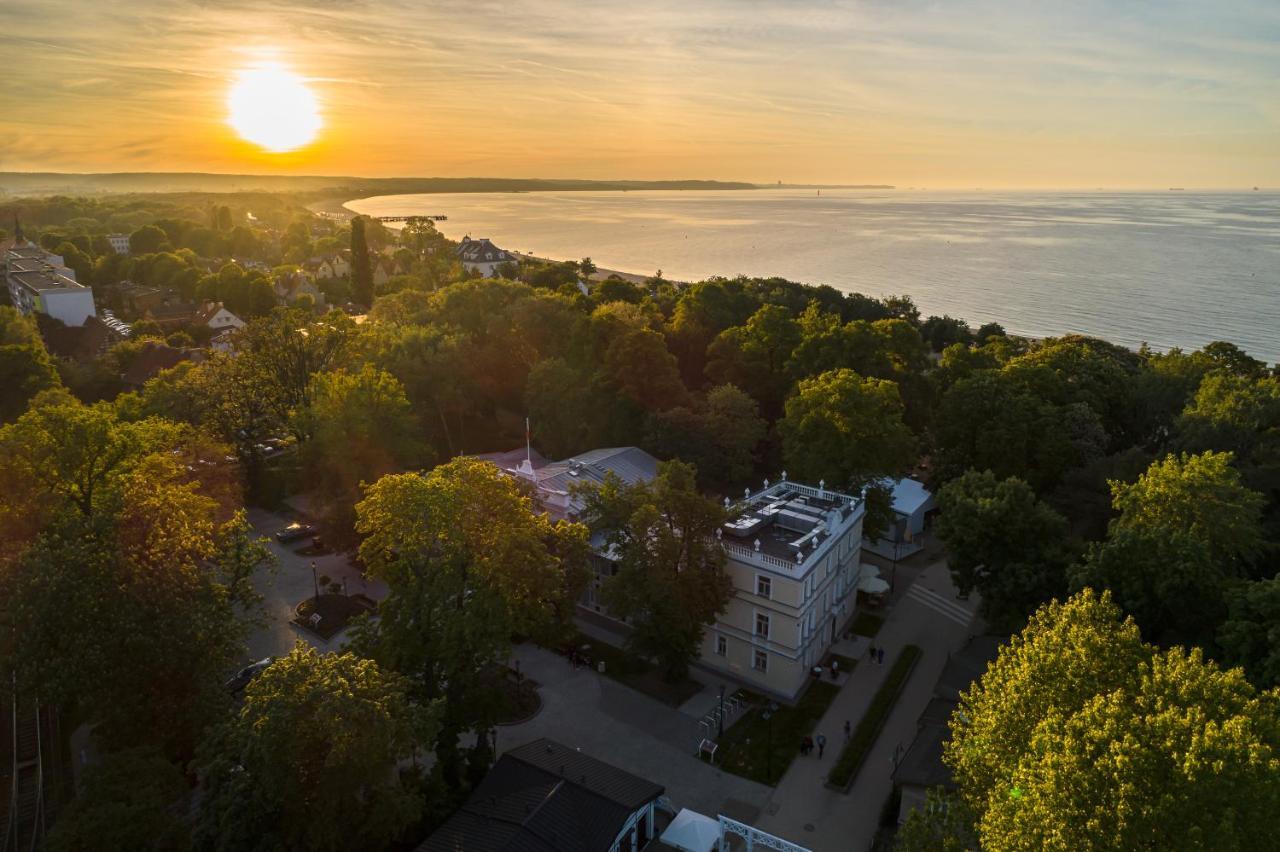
point(874, 654)
point(807, 744)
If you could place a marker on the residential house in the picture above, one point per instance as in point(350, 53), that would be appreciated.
point(547, 797)
point(920, 768)
point(912, 506)
point(215, 316)
point(482, 256)
point(223, 341)
point(289, 286)
point(327, 268)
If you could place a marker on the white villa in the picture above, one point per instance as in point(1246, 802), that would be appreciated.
point(482, 256)
point(793, 552)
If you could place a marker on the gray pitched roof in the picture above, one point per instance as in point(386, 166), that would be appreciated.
point(544, 797)
point(482, 251)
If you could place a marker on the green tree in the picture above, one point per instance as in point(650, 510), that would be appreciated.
point(1201, 495)
point(129, 801)
point(464, 553)
point(309, 762)
point(361, 266)
point(361, 427)
point(753, 356)
point(671, 581)
point(945, 824)
point(1250, 635)
point(147, 240)
point(1079, 736)
point(846, 430)
point(25, 366)
point(1004, 542)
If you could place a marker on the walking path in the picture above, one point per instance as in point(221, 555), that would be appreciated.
point(801, 808)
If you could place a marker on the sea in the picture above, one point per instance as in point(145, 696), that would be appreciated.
point(1169, 269)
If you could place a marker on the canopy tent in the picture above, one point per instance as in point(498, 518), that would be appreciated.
point(871, 583)
point(692, 832)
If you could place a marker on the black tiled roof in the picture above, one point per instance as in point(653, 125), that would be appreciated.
point(544, 797)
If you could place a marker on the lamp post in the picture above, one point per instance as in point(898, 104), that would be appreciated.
point(768, 717)
point(314, 580)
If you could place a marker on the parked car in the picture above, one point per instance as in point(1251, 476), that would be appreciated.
point(241, 678)
point(295, 531)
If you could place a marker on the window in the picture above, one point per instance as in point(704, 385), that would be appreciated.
point(761, 661)
point(764, 586)
point(762, 625)
point(722, 646)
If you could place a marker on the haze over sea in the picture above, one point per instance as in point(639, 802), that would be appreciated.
point(1166, 268)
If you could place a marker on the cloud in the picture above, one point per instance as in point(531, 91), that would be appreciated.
point(971, 91)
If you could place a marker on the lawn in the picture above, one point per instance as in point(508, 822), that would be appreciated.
point(867, 624)
point(745, 748)
point(336, 612)
point(635, 671)
point(864, 736)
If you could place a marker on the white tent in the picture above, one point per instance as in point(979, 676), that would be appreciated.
point(692, 832)
point(871, 583)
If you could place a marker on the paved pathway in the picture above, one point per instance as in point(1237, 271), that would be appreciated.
point(801, 808)
point(618, 725)
point(291, 582)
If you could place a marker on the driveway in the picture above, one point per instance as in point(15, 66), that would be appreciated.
point(291, 582)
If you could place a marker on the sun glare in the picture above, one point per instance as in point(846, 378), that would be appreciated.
point(272, 107)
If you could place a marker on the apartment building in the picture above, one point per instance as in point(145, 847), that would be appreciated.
point(793, 552)
point(40, 282)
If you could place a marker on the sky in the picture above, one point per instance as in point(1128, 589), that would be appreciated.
point(949, 94)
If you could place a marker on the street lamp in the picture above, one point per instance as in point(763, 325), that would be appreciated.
point(768, 717)
point(314, 580)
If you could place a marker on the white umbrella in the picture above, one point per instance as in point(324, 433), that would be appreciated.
point(872, 584)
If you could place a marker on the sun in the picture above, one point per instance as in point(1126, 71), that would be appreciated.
point(272, 107)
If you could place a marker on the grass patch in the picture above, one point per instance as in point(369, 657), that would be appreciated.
point(866, 624)
point(635, 671)
point(864, 736)
point(745, 748)
point(336, 612)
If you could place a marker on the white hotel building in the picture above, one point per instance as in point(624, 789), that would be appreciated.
point(793, 553)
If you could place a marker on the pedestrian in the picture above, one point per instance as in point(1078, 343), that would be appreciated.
point(846, 730)
point(822, 744)
point(835, 669)
point(880, 656)
point(871, 652)
point(808, 745)
point(802, 744)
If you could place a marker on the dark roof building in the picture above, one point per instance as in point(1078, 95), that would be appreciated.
point(547, 797)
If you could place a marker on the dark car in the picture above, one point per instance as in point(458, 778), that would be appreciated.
point(241, 678)
point(295, 531)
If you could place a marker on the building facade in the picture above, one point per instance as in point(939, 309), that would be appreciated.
point(39, 282)
point(119, 243)
point(793, 552)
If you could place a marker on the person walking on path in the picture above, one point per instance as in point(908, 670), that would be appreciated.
point(822, 744)
point(871, 652)
point(807, 747)
point(880, 656)
point(846, 730)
